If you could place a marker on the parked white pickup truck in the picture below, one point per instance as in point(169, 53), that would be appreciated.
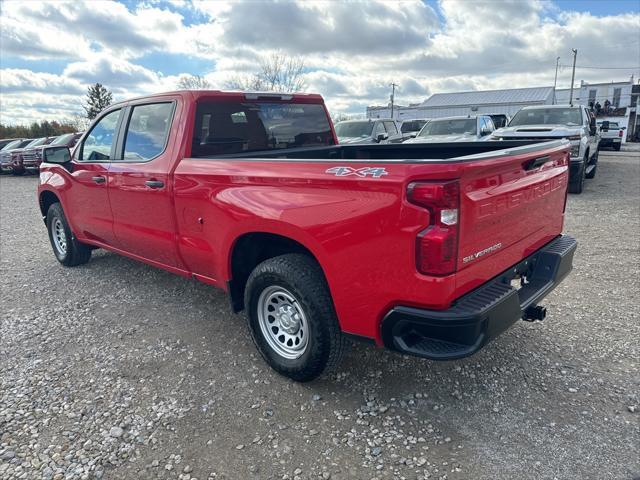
point(552, 122)
point(610, 134)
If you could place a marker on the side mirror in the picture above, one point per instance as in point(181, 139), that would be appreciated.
point(381, 137)
point(57, 155)
point(484, 132)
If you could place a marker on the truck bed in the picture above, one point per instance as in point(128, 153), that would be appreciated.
point(399, 152)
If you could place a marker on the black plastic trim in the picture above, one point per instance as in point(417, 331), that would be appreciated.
point(484, 313)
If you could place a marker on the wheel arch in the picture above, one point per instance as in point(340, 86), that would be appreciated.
point(252, 248)
point(46, 199)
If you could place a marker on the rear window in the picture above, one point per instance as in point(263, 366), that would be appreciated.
point(450, 127)
point(354, 129)
point(412, 126)
point(236, 127)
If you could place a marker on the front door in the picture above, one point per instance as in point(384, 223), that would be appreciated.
point(140, 190)
point(88, 205)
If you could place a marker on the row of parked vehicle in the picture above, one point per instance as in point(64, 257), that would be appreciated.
point(543, 123)
point(24, 155)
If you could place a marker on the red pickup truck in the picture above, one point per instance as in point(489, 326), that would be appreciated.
point(427, 249)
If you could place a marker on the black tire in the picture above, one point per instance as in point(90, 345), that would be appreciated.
point(75, 252)
point(617, 147)
point(594, 161)
point(18, 173)
point(301, 277)
point(576, 185)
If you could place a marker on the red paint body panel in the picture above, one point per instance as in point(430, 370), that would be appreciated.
point(362, 230)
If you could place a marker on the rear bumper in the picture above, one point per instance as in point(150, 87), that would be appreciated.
point(610, 142)
point(484, 313)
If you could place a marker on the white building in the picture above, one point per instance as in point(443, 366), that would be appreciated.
point(622, 96)
point(440, 105)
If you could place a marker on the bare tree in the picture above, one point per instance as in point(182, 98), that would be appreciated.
point(278, 73)
point(80, 122)
point(193, 82)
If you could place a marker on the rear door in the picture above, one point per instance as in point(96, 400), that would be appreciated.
point(87, 202)
point(140, 190)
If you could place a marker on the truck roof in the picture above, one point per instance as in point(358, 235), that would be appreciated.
point(194, 95)
point(535, 107)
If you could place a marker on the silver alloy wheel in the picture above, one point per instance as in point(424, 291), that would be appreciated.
point(283, 322)
point(59, 236)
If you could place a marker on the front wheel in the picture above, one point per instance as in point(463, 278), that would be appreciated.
point(292, 318)
point(68, 251)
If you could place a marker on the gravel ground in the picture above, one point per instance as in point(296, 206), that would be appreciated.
point(117, 370)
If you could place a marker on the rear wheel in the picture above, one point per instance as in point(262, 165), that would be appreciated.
point(616, 147)
point(67, 249)
point(292, 318)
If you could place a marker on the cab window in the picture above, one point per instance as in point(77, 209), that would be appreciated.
point(391, 128)
point(97, 146)
point(147, 131)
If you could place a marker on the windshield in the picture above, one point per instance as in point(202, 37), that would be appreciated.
point(36, 142)
point(457, 126)
point(354, 129)
point(238, 127)
point(63, 139)
point(547, 116)
point(12, 145)
point(412, 126)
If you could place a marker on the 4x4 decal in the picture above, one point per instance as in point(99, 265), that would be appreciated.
point(375, 172)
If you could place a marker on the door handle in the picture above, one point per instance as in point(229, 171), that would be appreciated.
point(154, 183)
point(99, 179)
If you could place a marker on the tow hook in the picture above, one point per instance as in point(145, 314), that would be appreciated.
point(534, 313)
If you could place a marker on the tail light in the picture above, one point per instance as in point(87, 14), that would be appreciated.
point(437, 245)
point(620, 134)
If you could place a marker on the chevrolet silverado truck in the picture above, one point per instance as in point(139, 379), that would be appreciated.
point(610, 134)
point(431, 250)
point(552, 122)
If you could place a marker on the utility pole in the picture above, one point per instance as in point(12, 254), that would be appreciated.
point(573, 75)
point(555, 81)
point(393, 95)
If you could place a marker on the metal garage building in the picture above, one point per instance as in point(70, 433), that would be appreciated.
point(469, 103)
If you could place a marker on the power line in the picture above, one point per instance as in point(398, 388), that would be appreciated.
point(603, 68)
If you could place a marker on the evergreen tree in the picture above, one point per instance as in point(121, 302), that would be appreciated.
point(98, 98)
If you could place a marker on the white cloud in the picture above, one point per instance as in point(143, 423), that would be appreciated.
point(354, 50)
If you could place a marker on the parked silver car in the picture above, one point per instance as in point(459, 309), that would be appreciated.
point(455, 129)
point(378, 130)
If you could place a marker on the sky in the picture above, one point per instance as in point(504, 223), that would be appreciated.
point(51, 51)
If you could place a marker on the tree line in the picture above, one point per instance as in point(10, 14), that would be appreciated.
point(276, 73)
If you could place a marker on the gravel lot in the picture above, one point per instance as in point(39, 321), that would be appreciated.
point(118, 370)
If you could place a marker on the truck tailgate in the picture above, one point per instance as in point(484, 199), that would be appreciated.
point(509, 207)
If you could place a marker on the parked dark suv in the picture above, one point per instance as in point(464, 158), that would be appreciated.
point(6, 153)
point(17, 166)
point(32, 155)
